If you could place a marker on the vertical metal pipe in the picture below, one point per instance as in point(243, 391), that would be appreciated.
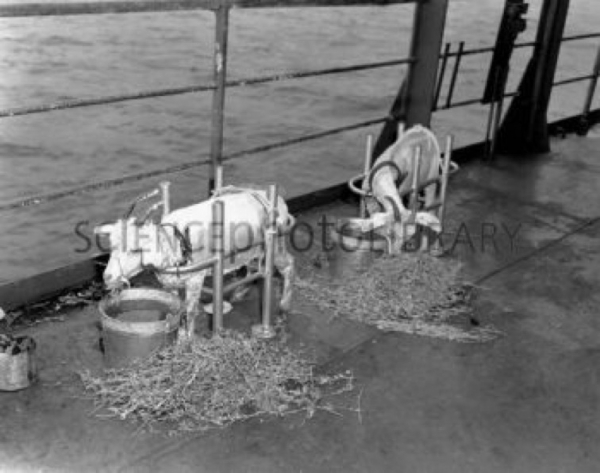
point(166, 197)
point(217, 237)
point(437, 248)
point(445, 175)
point(401, 127)
point(366, 170)
point(415, 182)
point(488, 128)
point(491, 115)
point(591, 89)
point(442, 73)
point(414, 199)
point(265, 330)
point(525, 126)
point(496, 126)
point(426, 44)
point(219, 177)
point(459, 55)
point(218, 104)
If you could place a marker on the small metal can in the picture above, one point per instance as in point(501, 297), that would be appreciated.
point(18, 367)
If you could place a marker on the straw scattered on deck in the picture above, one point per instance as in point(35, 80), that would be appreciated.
point(411, 293)
point(212, 383)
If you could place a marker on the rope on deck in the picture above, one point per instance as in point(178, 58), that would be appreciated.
point(77, 103)
point(108, 183)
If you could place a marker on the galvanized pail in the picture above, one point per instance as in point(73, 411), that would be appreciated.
point(137, 323)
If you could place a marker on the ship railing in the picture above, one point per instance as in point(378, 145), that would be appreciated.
point(220, 83)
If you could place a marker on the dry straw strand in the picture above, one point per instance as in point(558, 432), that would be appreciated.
point(212, 383)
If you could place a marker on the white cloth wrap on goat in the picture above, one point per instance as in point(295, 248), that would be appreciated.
point(401, 153)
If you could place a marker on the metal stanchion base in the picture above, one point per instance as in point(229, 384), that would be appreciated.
point(436, 250)
point(263, 333)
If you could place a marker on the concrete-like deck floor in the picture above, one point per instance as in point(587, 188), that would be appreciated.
point(529, 401)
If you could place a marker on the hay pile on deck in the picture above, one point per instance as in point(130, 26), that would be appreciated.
point(413, 293)
point(213, 383)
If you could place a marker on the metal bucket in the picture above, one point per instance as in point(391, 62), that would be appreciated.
point(353, 251)
point(137, 323)
point(18, 367)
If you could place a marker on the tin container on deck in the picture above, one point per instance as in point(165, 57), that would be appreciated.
point(18, 367)
point(137, 323)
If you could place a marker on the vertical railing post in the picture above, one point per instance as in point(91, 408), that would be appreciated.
point(437, 248)
point(414, 103)
point(455, 69)
point(218, 103)
point(587, 106)
point(166, 197)
point(441, 75)
point(217, 237)
point(525, 126)
point(426, 44)
point(265, 330)
point(366, 168)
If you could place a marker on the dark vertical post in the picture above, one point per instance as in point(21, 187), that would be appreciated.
point(584, 124)
point(459, 54)
point(442, 73)
point(415, 100)
point(525, 127)
point(218, 104)
point(428, 33)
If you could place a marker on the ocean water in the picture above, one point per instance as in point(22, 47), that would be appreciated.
point(45, 60)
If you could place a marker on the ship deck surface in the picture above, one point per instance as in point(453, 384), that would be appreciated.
point(528, 401)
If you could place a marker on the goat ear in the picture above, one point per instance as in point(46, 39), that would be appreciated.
point(426, 219)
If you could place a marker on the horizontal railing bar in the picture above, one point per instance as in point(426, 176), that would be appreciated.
point(486, 49)
point(149, 6)
point(95, 8)
point(39, 199)
point(573, 79)
point(77, 103)
point(15, 112)
point(578, 37)
point(320, 72)
point(312, 3)
point(105, 184)
point(301, 139)
point(528, 44)
point(108, 183)
point(464, 103)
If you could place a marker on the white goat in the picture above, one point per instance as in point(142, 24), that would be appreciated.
point(396, 164)
point(183, 239)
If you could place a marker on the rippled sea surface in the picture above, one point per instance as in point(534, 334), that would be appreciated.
point(45, 60)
